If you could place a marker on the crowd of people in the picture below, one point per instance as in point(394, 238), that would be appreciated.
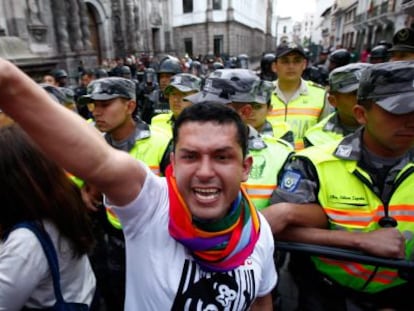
point(163, 185)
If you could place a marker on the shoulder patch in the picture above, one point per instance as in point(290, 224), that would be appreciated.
point(290, 180)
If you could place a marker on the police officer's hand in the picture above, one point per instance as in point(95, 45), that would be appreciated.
point(384, 242)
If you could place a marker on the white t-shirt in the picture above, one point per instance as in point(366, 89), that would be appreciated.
point(25, 278)
point(161, 274)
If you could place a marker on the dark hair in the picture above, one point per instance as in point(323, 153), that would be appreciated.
point(34, 188)
point(217, 113)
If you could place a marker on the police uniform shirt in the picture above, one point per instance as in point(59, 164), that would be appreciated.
point(299, 182)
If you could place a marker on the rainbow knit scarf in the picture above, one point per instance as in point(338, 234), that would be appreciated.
point(220, 245)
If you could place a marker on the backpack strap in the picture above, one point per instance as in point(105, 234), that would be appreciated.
point(49, 251)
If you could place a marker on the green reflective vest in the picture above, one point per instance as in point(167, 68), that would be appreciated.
point(301, 113)
point(348, 199)
point(150, 151)
point(316, 135)
point(267, 162)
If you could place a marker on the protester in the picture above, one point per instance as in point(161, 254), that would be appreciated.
point(182, 232)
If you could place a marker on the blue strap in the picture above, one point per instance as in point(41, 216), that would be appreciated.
point(50, 253)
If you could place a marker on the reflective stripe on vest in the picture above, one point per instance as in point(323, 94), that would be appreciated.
point(301, 113)
point(364, 219)
point(351, 205)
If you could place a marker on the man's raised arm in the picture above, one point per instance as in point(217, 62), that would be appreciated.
point(67, 138)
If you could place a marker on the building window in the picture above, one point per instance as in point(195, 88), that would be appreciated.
point(218, 45)
point(188, 6)
point(216, 4)
point(284, 29)
point(188, 46)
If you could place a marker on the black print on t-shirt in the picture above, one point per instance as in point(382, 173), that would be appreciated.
point(213, 291)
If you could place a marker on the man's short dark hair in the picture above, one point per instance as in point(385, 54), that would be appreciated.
point(218, 113)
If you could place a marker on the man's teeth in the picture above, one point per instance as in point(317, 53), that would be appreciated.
point(206, 193)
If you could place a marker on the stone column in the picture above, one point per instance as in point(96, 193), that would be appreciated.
point(131, 28)
point(137, 28)
point(75, 33)
point(119, 44)
point(61, 25)
point(84, 25)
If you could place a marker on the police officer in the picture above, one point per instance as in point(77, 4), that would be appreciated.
point(358, 191)
point(338, 58)
point(61, 77)
point(343, 85)
point(86, 77)
point(403, 45)
point(181, 85)
point(241, 89)
point(156, 103)
point(298, 102)
point(266, 72)
point(113, 105)
point(379, 54)
point(146, 87)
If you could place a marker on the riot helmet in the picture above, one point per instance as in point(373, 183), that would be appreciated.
point(243, 61)
point(218, 65)
point(379, 54)
point(338, 58)
point(196, 68)
point(170, 65)
point(266, 72)
point(150, 76)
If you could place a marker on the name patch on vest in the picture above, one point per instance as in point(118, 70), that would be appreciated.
point(352, 200)
point(290, 180)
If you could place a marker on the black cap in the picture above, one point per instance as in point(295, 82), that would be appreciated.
point(346, 79)
point(108, 88)
point(403, 41)
point(285, 49)
point(390, 85)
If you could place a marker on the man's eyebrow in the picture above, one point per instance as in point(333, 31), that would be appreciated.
point(223, 149)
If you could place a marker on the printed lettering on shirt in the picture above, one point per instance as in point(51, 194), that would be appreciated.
point(290, 180)
point(201, 290)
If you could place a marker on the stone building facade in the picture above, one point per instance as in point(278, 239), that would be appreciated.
point(39, 35)
point(224, 27)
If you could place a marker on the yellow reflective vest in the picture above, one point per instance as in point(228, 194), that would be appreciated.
point(347, 197)
point(301, 113)
point(150, 151)
point(316, 135)
point(267, 162)
point(163, 123)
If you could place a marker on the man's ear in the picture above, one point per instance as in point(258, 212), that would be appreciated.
point(332, 100)
point(247, 166)
point(131, 106)
point(360, 114)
